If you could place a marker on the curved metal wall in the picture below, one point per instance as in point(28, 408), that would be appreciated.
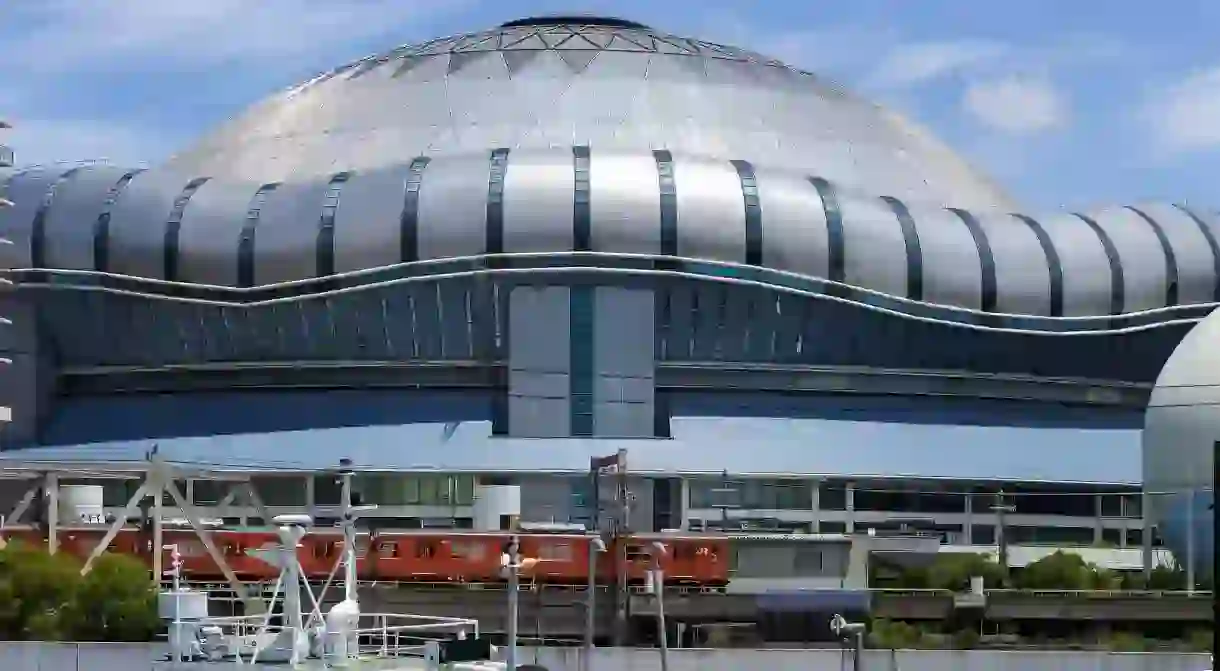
point(194, 229)
point(460, 319)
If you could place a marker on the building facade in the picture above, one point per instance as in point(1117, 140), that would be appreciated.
point(499, 254)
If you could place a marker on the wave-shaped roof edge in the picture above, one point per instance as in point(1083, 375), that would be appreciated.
point(161, 225)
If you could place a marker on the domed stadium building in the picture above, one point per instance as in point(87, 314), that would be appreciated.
point(494, 256)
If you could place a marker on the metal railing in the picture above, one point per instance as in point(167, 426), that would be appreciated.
point(247, 638)
point(218, 590)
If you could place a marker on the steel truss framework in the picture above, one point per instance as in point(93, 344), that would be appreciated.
point(157, 478)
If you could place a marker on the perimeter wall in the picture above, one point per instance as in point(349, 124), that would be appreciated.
point(124, 657)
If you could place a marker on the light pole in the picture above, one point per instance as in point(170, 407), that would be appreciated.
point(656, 578)
point(596, 547)
point(851, 633)
point(1001, 508)
point(513, 563)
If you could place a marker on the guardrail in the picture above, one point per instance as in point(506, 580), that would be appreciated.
point(220, 588)
point(1102, 593)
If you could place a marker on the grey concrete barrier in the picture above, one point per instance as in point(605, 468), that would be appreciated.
point(16, 656)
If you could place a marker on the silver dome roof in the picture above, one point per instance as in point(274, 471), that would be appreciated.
point(607, 146)
point(610, 84)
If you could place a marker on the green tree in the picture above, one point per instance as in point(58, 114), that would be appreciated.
point(954, 571)
point(894, 635)
point(35, 588)
point(1166, 578)
point(947, 571)
point(115, 602)
point(1059, 570)
point(1125, 641)
point(43, 597)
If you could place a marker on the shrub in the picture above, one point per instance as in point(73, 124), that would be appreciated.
point(43, 597)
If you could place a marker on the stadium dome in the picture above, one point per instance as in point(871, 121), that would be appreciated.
point(738, 212)
point(1181, 431)
point(562, 135)
point(541, 84)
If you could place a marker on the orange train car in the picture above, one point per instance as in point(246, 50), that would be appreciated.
point(422, 556)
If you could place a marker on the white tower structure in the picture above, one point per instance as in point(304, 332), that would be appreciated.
point(343, 619)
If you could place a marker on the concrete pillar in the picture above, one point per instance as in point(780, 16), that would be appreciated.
point(850, 508)
point(1098, 525)
point(683, 503)
point(968, 525)
point(816, 505)
point(1146, 535)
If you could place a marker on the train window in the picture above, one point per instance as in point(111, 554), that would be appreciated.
point(325, 550)
point(425, 551)
point(388, 548)
point(191, 548)
point(466, 550)
point(555, 552)
point(637, 553)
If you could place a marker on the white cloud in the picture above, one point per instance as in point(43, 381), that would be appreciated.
point(830, 49)
point(76, 34)
point(1186, 116)
point(40, 141)
point(51, 42)
point(1017, 105)
point(911, 64)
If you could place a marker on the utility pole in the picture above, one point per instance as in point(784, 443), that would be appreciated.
point(620, 529)
point(656, 580)
point(1001, 508)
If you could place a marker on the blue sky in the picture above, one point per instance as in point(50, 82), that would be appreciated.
point(1068, 103)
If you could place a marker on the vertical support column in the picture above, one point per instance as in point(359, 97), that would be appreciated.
point(158, 493)
point(968, 515)
point(816, 505)
point(1146, 535)
point(683, 503)
point(52, 486)
point(1191, 533)
point(850, 508)
point(1098, 524)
